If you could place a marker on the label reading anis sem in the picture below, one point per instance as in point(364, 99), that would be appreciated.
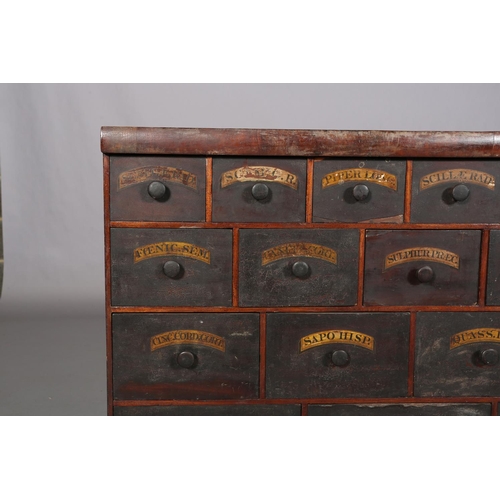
point(166, 174)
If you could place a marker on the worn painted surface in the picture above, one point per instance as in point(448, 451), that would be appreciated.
point(213, 410)
point(493, 284)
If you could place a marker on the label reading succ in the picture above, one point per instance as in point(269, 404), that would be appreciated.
point(176, 337)
point(167, 174)
point(360, 174)
point(171, 248)
point(337, 336)
point(473, 336)
point(422, 253)
point(299, 250)
point(262, 173)
point(456, 175)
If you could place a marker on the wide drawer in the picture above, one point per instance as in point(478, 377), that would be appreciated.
point(403, 410)
point(185, 356)
point(337, 355)
point(210, 410)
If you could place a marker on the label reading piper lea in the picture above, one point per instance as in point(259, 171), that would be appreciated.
point(337, 336)
point(300, 249)
point(380, 177)
point(166, 174)
point(176, 337)
point(474, 336)
point(261, 173)
point(460, 176)
point(422, 253)
point(163, 248)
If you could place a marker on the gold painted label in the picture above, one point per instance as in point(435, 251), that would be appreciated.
point(262, 173)
point(337, 336)
point(457, 175)
point(473, 336)
point(299, 250)
point(171, 248)
point(360, 174)
point(422, 253)
point(187, 337)
point(167, 174)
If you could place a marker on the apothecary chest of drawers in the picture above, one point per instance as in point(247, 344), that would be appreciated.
point(302, 272)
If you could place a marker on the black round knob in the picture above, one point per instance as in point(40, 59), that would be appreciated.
point(425, 274)
point(172, 269)
point(186, 359)
point(360, 192)
point(157, 190)
point(260, 191)
point(340, 358)
point(300, 269)
point(460, 192)
point(489, 357)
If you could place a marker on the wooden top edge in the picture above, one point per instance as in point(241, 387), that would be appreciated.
point(284, 142)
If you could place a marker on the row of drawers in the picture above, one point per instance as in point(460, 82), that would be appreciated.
point(160, 188)
point(202, 356)
point(299, 267)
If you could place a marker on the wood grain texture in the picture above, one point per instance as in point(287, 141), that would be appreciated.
point(309, 190)
point(409, 175)
point(208, 195)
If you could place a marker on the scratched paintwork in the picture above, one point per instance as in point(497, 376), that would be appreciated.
point(401, 410)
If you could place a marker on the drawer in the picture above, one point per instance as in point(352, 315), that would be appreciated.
point(403, 410)
point(157, 188)
point(210, 410)
point(455, 191)
point(171, 267)
point(259, 190)
point(493, 287)
point(359, 190)
point(298, 267)
point(337, 355)
point(422, 267)
point(457, 354)
point(185, 356)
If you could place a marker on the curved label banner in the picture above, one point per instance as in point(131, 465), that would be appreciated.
point(473, 336)
point(337, 336)
point(299, 250)
point(176, 337)
point(422, 253)
point(457, 175)
point(360, 175)
point(267, 174)
point(166, 174)
point(171, 248)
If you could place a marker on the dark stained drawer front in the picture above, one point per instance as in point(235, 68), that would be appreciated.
point(402, 410)
point(210, 410)
point(359, 190)
point(457, 354)
point(259, 190)
point(493, 289)
point(337, 355)
point(185, 356)
point(455, 191)
point(298, 267)
point(157, 188)
point(171, 267)
point(422, 267)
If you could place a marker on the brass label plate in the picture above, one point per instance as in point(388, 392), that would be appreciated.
point(166, 174)
point(473, 336)
point(337, 336)
point(457, 175)
point(176, 337)
point(171, 248)
point(360, 175)
point(261, 173)
point(301, 249)
point(422, 253)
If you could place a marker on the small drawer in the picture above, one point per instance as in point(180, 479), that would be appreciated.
point(259, 190)
point(157, 188)
point(457, 354)
point(298, 267)
point(235, 410)
point(359, 190)
point(402, 410)
point(493, 287)
point(422, 267)
point(185, 356)
point(455, 191)
point(337, 355)
point(171, 267)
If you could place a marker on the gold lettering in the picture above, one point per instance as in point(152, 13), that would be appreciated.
point(267, 174)
point(171, 248)
point(474, 336)
point(187, 337)
point(365, 174)
point(166, 174)
point(337, 336)
point(422, 253)
point(299, 250)
point(456, 175)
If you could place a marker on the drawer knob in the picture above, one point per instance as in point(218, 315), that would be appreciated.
point(460, 192)
point(425, 274)
point(186, 359)
point(157, 190)
point(340, 358)
point(172, 269)
point(360, 192)
point(300, 269)
point(489, 357)
point(260, 191)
